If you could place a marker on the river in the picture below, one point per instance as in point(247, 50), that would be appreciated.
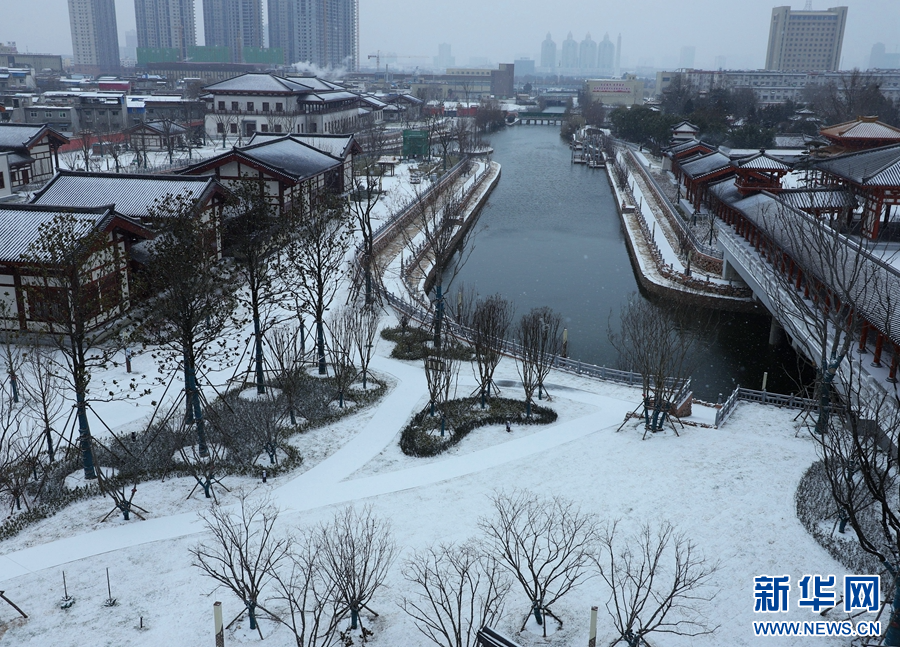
point(550, 235)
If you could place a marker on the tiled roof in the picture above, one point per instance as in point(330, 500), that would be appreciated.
point(815, 199)
point(133, 195)
point(862, 128)
point(285, 155)
point(334, 145)
point(762, 162)
point(706, 164)
point(877, 167)
point(13, 136)
point(271, 83)
point(20, 225)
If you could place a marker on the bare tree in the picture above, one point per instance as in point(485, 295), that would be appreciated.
point(490, 323)
point(657, 342)
point(860, 455)
point(19, 449)
point(313, 260)
point(823, 283)
point(441, 370)
point(244, 551)
point(42, 385)
point(205, 467)
point(364, 199)
point(343, 329)
point(546, 543)
point(437, 215)
point(194, 299)
point(458, 589)
point(67, 256)
point(356, 550)
point(365, 335)
point(255, 231)
point(310, 596)
point(658, 583)
point(540, 340)
point(286, 343)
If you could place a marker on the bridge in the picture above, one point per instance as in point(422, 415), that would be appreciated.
point(541, 118)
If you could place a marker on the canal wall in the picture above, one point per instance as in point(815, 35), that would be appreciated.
point(658, 268)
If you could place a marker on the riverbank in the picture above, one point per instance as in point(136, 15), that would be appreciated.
point(652, 243)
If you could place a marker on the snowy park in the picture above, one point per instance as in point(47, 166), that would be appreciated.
point(721, 498)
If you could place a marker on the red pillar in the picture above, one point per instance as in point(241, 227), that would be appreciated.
point(863, 337)
point(879, 344)
point(895, 359)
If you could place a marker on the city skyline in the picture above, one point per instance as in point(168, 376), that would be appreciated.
point(703, 25)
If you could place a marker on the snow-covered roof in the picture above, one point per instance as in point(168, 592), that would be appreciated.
point(819, 199)
point(20, 225)
point(264, 83)
point(878, 167)
point(21, 136)
point(862, 128)
point(706, 164)
point(762, 162)
point(132, 195)
point(335, 145)
point(285, 156)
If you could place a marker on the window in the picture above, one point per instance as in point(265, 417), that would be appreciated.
point(250, 107)
point(264, 128)
point(233, 128)
point(2, 181)
point(220, 128)
point(62, 115)
point(277, 128)
point(48, 114)
point(234, 105)
point(279, 107)
point(46, 303)
point(34, 113)
point(221, 105)
point(265, 106)
point(250, 128)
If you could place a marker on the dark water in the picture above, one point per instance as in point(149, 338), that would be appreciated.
point(550, 235)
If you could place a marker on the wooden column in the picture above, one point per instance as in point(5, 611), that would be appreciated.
point(895, 359)
point(863, 337)
point(879, 344)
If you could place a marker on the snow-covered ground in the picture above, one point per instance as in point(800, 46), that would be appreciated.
point(731, 490)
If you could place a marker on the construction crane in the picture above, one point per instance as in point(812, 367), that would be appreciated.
point(377, 57)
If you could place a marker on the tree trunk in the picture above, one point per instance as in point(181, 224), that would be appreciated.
point(438, 315)
point(48, 432)
point(84, 436)
point(194, 410)
point(320, 334)
point(892, 637)
point(257, 334)
point(251, 612)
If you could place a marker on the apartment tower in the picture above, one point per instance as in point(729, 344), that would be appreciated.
point(95, 38)
point(166, 24)
point(322, 32)
point(234, 24)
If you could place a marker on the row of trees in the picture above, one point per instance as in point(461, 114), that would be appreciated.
point(319, 581)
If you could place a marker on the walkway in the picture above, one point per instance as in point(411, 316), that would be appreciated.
point(327, 484)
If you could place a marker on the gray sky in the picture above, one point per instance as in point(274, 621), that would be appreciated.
point(653, 31)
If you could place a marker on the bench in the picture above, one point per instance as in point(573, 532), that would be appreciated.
point(487, 637)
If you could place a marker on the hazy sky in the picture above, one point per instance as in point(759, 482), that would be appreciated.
point(653, 31)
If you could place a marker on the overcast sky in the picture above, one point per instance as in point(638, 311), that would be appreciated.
point(653, 31)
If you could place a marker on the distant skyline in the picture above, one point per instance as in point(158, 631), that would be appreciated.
point(653, 31)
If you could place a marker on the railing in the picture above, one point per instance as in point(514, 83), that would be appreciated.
point(761, 397)
point(674, 216)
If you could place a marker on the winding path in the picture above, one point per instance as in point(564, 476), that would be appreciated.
point(327, 483)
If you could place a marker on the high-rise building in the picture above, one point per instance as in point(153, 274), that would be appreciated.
point(321, 32)
point(95, 38)
point(444, 59)
point(548, 53)
point(806, 41)
point(882, 60)
point(587, 53)
point(618, 69)
point(165, 24)
point(606, 55)
point(686, 59)
point(234, 24)
point(569, 53)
